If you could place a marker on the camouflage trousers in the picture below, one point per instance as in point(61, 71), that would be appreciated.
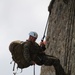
point(47, 60)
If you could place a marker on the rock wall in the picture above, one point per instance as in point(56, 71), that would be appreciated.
point(61, 36)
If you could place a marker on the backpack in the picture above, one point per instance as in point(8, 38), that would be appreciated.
point(16, 50)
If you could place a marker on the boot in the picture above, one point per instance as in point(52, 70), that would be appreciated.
point(59, 69)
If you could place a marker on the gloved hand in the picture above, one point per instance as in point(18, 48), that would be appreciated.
point(42, 45)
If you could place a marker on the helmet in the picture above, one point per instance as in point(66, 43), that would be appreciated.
point(34, 34)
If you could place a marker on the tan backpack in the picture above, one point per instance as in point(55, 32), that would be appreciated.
point(16, 49)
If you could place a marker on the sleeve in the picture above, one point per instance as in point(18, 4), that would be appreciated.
point(40, 48)
point(43, 47)
point(26, 53)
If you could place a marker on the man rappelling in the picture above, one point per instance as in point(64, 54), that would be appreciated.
point(33, 53)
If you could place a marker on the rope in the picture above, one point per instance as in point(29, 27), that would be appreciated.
point(45, 29)
point(34, 70)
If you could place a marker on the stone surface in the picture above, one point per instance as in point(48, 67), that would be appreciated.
point(61, 36)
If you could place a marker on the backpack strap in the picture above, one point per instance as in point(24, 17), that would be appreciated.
point(15, 72)
point(14, 66)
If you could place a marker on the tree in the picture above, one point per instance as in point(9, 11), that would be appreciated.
point(61, 35)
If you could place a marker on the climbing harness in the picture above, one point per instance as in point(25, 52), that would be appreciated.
point(44, 35)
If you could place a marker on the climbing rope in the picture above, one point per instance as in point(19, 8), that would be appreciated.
point(44, 35)
point(33, 69)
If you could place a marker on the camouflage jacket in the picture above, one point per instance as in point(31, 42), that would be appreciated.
point(31, 50)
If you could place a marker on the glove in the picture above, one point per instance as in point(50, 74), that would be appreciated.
point(42, 45)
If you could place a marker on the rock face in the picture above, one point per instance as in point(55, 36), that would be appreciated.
point(61, 36)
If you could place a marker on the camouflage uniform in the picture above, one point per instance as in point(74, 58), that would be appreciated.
point(31, 51)
point(34, 52)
